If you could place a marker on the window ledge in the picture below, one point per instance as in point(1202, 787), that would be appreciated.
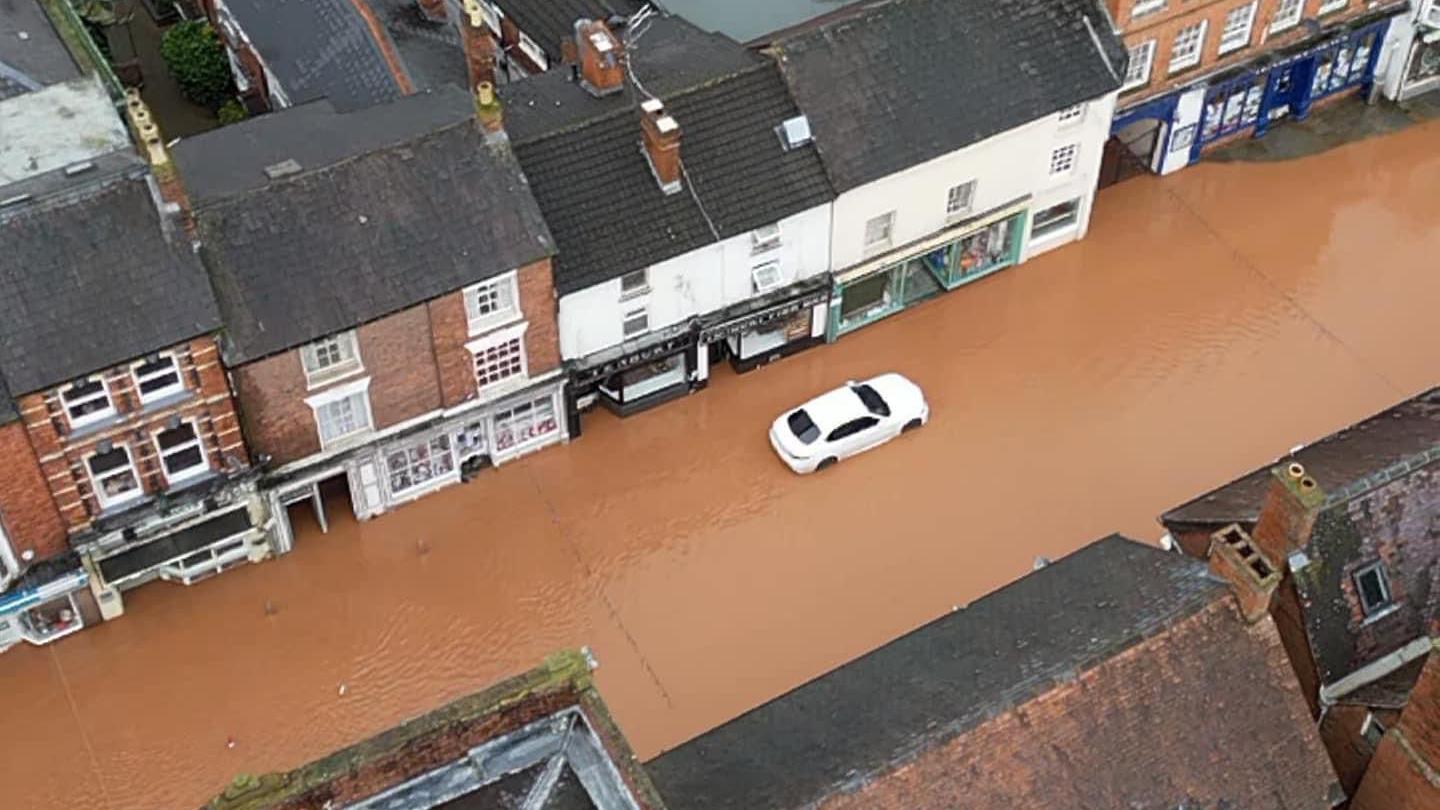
point(638, 292)
point(1055, 234)
point(477, 329)
point(190, 481)
point(92, 428)
point(161, 403)
point(348, 441)
point(312, 382)
point(122, 508)
point(1380, 614)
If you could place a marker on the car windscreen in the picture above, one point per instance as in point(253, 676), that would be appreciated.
point(803, 426)
point(874, 403)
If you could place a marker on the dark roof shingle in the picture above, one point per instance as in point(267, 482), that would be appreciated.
point(91, 279)
point(911, 80)
point(584, 159)
point(31, 52)
point(398, 221)
point(547, 22)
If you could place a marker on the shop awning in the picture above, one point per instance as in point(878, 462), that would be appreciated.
point(174, 546)
point(769, 308)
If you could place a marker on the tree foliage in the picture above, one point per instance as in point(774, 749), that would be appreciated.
point(196, 59)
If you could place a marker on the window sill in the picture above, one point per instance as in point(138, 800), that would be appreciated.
point(347, 441)
point(321, 381)
point(1223, 52)
point(91, 428)
point(476, 329)
point(111, 510)
point(1054, 234)
point(878, 247)
point(161, 403)
point(190, 481)
point(506, 386)
point(1380, 614)
point(1173, 72)
point(638, 292)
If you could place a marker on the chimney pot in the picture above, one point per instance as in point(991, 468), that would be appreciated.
point(1296, 470)
point(600, 55)
point(487, 109)
point(479, 45)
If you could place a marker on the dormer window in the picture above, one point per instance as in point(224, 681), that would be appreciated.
point(157, 377)
point(766, 238)
point(86, 402)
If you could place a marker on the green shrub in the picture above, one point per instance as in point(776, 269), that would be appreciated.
point(231, 112)
point(196, 59)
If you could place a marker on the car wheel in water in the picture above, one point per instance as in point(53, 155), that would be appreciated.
point(911, 425)
point(829, 462)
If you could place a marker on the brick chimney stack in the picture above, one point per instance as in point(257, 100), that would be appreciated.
point(479, 46)
point(1288, 513)
point(172, 200)
point(1252, 577)
point(599, 52)
point(432, 10)
point(660, 141)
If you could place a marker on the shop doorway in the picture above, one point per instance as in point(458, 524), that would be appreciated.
point(1130, 153)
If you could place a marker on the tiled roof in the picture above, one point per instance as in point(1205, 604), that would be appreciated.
point(90, 278)
point(431, 50)
point(369, 225)
point(1119, 676)
point(602, 202)
point(319, 49)
point(31, 52)
point(912, 80)
point(1344, 460)
point(8, 412)
point(547, 22)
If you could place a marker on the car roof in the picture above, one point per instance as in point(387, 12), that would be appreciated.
point(834, 408)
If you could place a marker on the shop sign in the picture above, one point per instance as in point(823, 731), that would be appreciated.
point(647, 354)
point(779, 312)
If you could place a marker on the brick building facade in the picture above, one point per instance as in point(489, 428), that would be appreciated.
point(419, 341)
point(1405, 771)
point(1201, 72)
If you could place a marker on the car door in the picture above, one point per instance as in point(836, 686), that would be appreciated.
point(852, 437)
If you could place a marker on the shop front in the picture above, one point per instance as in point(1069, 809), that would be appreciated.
point(962, 253)
point(770, 326)
point(46, 606)
point(638, 375)
point(1422, 67)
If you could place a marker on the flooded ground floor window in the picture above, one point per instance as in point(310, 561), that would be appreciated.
point(426, 461)
point(51, 620)
point(648, 379)
point(525, 424)
point(1054, 219)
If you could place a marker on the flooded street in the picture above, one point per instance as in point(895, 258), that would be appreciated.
point(1210, 321)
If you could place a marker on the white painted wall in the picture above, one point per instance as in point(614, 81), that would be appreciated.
point(696, 283)
point(1006, 166)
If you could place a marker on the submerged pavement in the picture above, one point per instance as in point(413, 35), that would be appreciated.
point(1211, 320)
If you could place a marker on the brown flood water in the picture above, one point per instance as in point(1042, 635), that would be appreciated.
point(1210, 321)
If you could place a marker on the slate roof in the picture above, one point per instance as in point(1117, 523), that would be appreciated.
point(431, 50)
point(38, 59)
point(8, 412)
point(1201, 706)
point(547, 22)
point(750, 21)
point(910, 80)
point(1335, 461)
point(90, 279)
point(320, 49)
point(602, 202)
point(384, 214)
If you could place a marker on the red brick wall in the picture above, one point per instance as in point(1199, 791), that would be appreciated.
point(1162, 26)
point(62, 455)
point(398, 358)
point(1290, 623)
point(28, 512)
point(1405, 773)
point(455, 365)
point(537, 301)
point(1349, 751)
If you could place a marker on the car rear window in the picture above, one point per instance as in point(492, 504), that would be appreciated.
point(874, 403)
point(803, 426)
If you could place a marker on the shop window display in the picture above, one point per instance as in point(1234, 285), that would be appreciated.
point(420, 464)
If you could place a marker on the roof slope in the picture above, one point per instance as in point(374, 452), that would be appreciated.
point(90, 278)
point(911, 80)
point(548, 22)
point(599, 196)
point(431, 49)
point(1338, 460)
point(321, 49)
point(1201, 708)
point(36, 60)
point(361, 236)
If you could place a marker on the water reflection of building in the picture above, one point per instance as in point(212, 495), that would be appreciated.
point(385, 280)
point(540, 740)
point(122, 441)
point(956, 174)
point(690, 209)
point(1200, 73)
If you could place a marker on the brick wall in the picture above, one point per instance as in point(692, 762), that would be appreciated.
point(397, 356)
point(1405, 772)
point(1162, 26)
point(1349, 751)
point(62, 451)
point(537, 301)
point(30, 518)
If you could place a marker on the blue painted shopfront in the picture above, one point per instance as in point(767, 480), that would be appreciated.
point(1257, 96)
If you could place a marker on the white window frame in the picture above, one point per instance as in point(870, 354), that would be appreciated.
point(169, 390)
point(1383, 577)
point(360, 388)
point(501, 285)
point(1287, 16)
point(884, 222)
point(960, 199)
point(635, 290)
point(494, 340)
point(1143, 7)
point(1052, 231)
point(1243, 18)
point(1072, 115)
point(1063, 159)
point(765, 239)
point(309, 358)
point(520, 446)
point(632, 313)
point(533, 51)
point(189, 472)
point(1192, 58)
point(1131, 80)
point(96, 481)
point(1372, 724)
point(89, 418)
point(1331, 6)
point(767, 277)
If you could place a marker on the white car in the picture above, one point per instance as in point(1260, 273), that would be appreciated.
point(849, 420)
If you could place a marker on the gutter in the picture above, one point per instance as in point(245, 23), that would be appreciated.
point(1375, 670)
